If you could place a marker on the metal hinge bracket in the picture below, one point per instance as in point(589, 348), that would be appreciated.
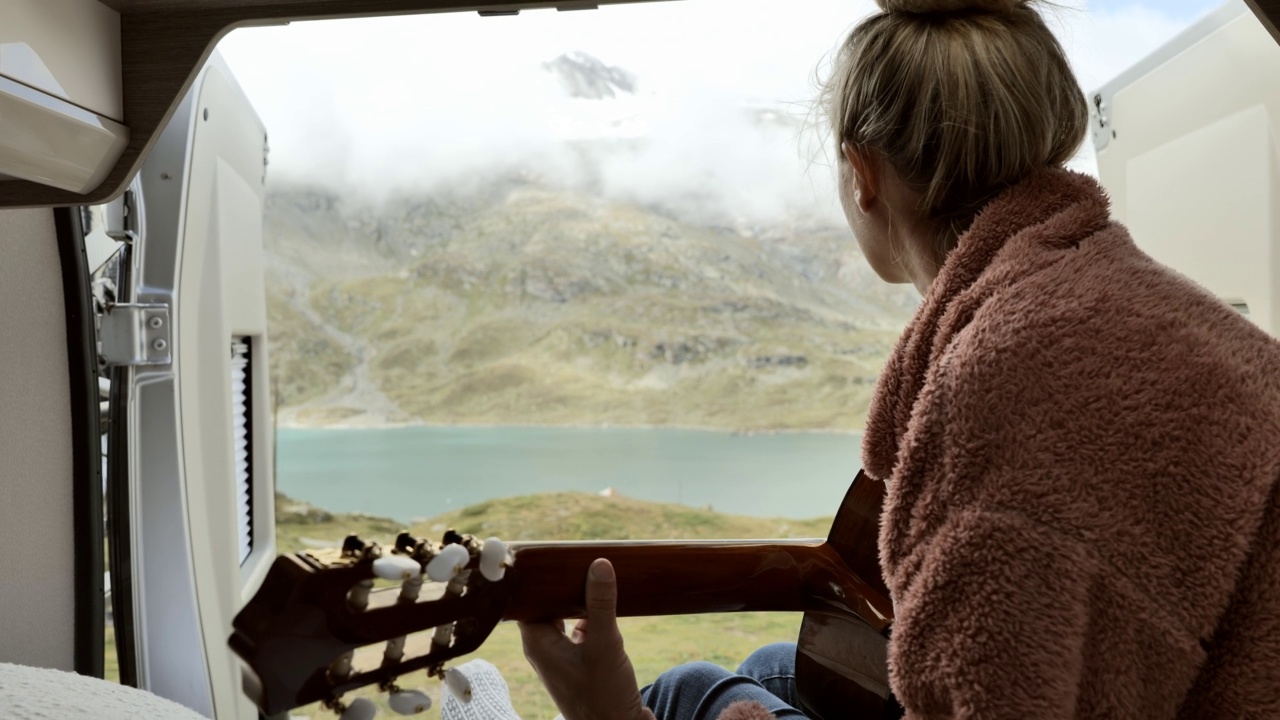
point(1100, 121)
point(123, 217)
point(135, 335)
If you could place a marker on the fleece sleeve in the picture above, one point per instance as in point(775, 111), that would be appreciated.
point(992, 623)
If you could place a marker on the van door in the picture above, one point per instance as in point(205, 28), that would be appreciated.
point(190, 479)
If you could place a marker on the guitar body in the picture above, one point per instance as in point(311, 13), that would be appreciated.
point(842, 670)
point(841, 660)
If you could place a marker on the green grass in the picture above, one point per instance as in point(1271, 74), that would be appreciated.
point(552, 516)
point(654, 644)
point(111, 662)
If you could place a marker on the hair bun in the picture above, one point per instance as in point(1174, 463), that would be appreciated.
point(939, 7)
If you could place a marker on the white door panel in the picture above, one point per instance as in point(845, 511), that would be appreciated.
point(200, 458)
point(1188, 152)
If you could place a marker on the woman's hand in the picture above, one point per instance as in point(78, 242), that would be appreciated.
point(588, 674)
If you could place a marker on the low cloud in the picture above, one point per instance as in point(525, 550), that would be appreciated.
point(719, 119)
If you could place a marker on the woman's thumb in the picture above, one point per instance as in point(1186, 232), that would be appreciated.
point(602, 599)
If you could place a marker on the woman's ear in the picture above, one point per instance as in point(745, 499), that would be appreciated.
point(866, 185)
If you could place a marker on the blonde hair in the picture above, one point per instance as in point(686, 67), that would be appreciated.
point(962, 97)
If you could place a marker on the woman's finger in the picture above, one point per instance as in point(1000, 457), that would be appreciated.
point(542, 638)
point(602, 600)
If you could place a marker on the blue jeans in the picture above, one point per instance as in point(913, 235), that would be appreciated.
point(701, 690)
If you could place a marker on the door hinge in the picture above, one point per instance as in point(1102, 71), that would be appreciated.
point(1100, 122)
point(135, 335)
point(122, 218)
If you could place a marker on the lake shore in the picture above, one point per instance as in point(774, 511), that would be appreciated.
point(396, 425)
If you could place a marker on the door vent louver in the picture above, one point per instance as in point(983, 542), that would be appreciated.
point(241, 427)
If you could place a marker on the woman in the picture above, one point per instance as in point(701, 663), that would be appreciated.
point(1081, 446)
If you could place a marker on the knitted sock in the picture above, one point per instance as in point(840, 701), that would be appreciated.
point(490, 697)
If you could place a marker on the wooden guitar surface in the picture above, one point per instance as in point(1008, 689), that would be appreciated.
point(301, 619)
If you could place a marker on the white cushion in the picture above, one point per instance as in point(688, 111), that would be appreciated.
point(38, 693)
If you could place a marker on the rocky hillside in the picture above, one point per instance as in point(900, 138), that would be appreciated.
point(522, 304)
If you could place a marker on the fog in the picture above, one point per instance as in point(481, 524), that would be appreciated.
point(721, 122)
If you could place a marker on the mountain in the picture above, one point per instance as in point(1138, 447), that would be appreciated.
point(522, 303)
point(585, 77)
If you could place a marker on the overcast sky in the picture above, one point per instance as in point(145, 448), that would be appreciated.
point(385, 103)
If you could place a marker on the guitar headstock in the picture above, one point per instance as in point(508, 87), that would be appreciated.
point(326, 622)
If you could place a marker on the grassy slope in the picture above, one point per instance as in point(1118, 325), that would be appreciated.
point(598, 362)
point(305, 362)
point(655, 644)
point(554, 309)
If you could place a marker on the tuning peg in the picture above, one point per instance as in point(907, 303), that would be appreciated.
point(340, 668)
point(451, 560)
point(352, 545)
point(358, 597)
point(495, 558)
point(458, 684)
point(359, 709)
point(396, 567)
point(405, 542)
point(409, 702)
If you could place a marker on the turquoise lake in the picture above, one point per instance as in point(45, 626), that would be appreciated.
point(418, 472)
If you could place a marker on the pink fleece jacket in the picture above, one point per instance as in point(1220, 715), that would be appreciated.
point(1082, 449)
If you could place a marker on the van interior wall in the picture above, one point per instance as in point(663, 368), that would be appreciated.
point(37, 593)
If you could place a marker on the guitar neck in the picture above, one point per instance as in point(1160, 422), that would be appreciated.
point(688, 578)
point(305, 614)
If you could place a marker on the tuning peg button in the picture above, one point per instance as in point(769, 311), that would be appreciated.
point(495, 558)
point(396, 567)
point(451, 560)
point(360, 709)
point(458, 684)
point(409, 702)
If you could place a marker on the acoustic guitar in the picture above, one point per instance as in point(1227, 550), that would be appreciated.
point(319, 626)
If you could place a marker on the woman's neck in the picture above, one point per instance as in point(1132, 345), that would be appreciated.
point(922, 258)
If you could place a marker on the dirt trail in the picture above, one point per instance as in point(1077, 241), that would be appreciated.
point(357, 392)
